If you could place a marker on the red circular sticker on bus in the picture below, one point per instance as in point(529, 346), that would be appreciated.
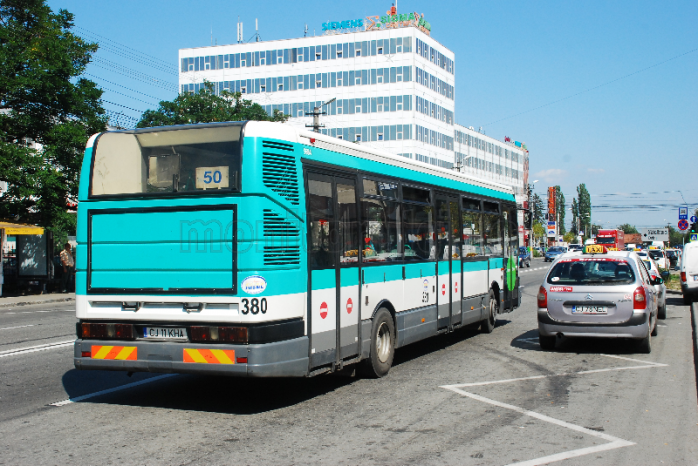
point(456, 287)
point(443, 289)
point(323, 310)
point(350, 306)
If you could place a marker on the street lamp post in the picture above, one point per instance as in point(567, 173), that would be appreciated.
point(316, 116)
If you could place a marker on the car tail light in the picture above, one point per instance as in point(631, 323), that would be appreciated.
point(542, 298)
point(683, 277)
point(108, 331)
point(219, 334)
point(640, 298)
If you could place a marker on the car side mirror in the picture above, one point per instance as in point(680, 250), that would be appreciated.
point(665, 274)
point(657, 281)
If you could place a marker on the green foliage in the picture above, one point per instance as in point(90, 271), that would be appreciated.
point(206, 107)
point(568, 237)
point(43, 101)
point(575, 216)
point(628, 229)
point(560, 207)
point(538, 209)
point(538, 230)
point(584, 209)
point(676, 236)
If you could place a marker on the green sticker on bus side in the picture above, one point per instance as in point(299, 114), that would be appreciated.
point(511, 273)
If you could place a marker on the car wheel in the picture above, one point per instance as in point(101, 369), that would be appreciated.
point(644, 346)
point(528, 264)
point(382, 346)
point(487, 325)
point(661, 312)
point(655, 329)
point(546, 343)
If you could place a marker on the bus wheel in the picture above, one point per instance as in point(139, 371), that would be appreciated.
point(487, 325)
point(382, 345)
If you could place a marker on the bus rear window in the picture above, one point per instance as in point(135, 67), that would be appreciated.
point(169, 161)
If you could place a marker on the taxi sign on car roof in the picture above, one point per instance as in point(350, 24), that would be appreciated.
point(594, 249)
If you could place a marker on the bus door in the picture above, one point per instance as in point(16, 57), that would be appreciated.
point(333, 243)
point(448, 257)
point(511, 260)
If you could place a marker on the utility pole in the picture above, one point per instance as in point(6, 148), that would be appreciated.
point(317, 111)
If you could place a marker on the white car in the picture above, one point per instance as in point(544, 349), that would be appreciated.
point(660, 257)
point(653, 269)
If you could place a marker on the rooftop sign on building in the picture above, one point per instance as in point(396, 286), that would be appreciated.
point(372, 23)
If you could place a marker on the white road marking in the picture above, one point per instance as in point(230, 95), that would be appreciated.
point(19, 326)
point(33, 349)
point(614, 442)
point(110, 390)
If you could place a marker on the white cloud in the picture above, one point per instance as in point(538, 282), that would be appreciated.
point(595, 170)
point(551, 175)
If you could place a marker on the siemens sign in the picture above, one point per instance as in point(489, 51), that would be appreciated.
point(350, 24)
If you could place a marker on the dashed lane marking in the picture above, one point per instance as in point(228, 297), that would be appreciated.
point(110, 390)
point(33, 349)
point(614, 442)
point(19, 326)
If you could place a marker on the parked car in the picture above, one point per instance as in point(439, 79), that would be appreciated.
point(653, 270)
point(674, 257)
point(552, 253)
point(689, 273)
point(524, 257)
point(575, 247)
point(606, 295)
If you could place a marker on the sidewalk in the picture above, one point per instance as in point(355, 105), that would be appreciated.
point(37, 299)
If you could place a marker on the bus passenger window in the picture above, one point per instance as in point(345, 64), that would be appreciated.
point(418, 232)
point(493, 235)
point(321, 224)
point(472, 234)
point(379, 230)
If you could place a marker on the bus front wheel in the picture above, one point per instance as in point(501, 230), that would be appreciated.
point(382, 345)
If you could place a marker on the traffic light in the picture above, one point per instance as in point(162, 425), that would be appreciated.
point(527, 220)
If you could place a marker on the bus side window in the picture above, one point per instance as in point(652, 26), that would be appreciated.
point(418, 231)
point(381, 241)
point(321, 224)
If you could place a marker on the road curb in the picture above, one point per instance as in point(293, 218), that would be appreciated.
point(28, 303)
point(694, 324)
point(673, 291)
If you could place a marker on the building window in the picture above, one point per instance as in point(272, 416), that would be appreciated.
point(358, 81)
point(380, 107)
point(399, 106)
point(318, 83)
point(380, 50)
point(358, 52)
point(300, 84)
point(262, 88)
point(262, 60)
point(191, 67)
point(281, 87)
point(358, 138)
point(242, 63)
point(226, 64)
point(380, 79)
point(243, 90)
point(318, 56)
point(358, 109)
point(300, 112)
point(207, 66)
point(339, 136)
point(380, 136)
point(339, 55)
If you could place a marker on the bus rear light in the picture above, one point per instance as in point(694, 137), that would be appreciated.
point(108, 331)
point(219, 334)
point(542, 298)
point(640, 298)
point(241, 360)
point(683, 277)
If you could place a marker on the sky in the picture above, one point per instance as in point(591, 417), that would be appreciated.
point(603, 93)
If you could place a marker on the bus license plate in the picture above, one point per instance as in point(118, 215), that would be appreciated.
point(168, 333)
point(589, 310)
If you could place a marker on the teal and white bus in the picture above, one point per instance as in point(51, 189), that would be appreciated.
point(257, 249)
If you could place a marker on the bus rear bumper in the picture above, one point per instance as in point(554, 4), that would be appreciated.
point(279, 359)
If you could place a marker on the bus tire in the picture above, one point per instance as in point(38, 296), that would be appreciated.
point(487, 325)
point(382, 346)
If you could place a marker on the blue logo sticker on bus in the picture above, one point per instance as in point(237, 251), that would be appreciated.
point(254, 284)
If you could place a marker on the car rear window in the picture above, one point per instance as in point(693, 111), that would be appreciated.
point(597, 271)
point(656, 255)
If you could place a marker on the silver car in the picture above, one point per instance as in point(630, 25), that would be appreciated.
point(653, 270)
point(605, 295)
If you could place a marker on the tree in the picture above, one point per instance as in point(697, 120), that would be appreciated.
point(628, 229)
point(584, 209)
point(560, 209)
point(539, 231)
point(575, 216)
point(47, 112)
point(537, 209)
point(569, 237)
point(206, 107)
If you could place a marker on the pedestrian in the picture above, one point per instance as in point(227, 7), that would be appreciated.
point(68, 266)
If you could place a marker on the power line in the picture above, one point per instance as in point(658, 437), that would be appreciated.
point(137, 60)
point(127, 88)
point(124, 106)
point(138, 76)
point(126, 95)
point(594, 88)
point(117, 44)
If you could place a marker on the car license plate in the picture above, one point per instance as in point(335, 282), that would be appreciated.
point(168, 333)
point(589, 310)
point(695, 278)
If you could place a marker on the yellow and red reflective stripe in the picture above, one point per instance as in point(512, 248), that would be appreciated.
point(128, 353)
point(208, 356)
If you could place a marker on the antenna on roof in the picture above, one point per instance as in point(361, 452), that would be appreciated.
point(305, 31)
point(256, 36)
point(240, 39)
